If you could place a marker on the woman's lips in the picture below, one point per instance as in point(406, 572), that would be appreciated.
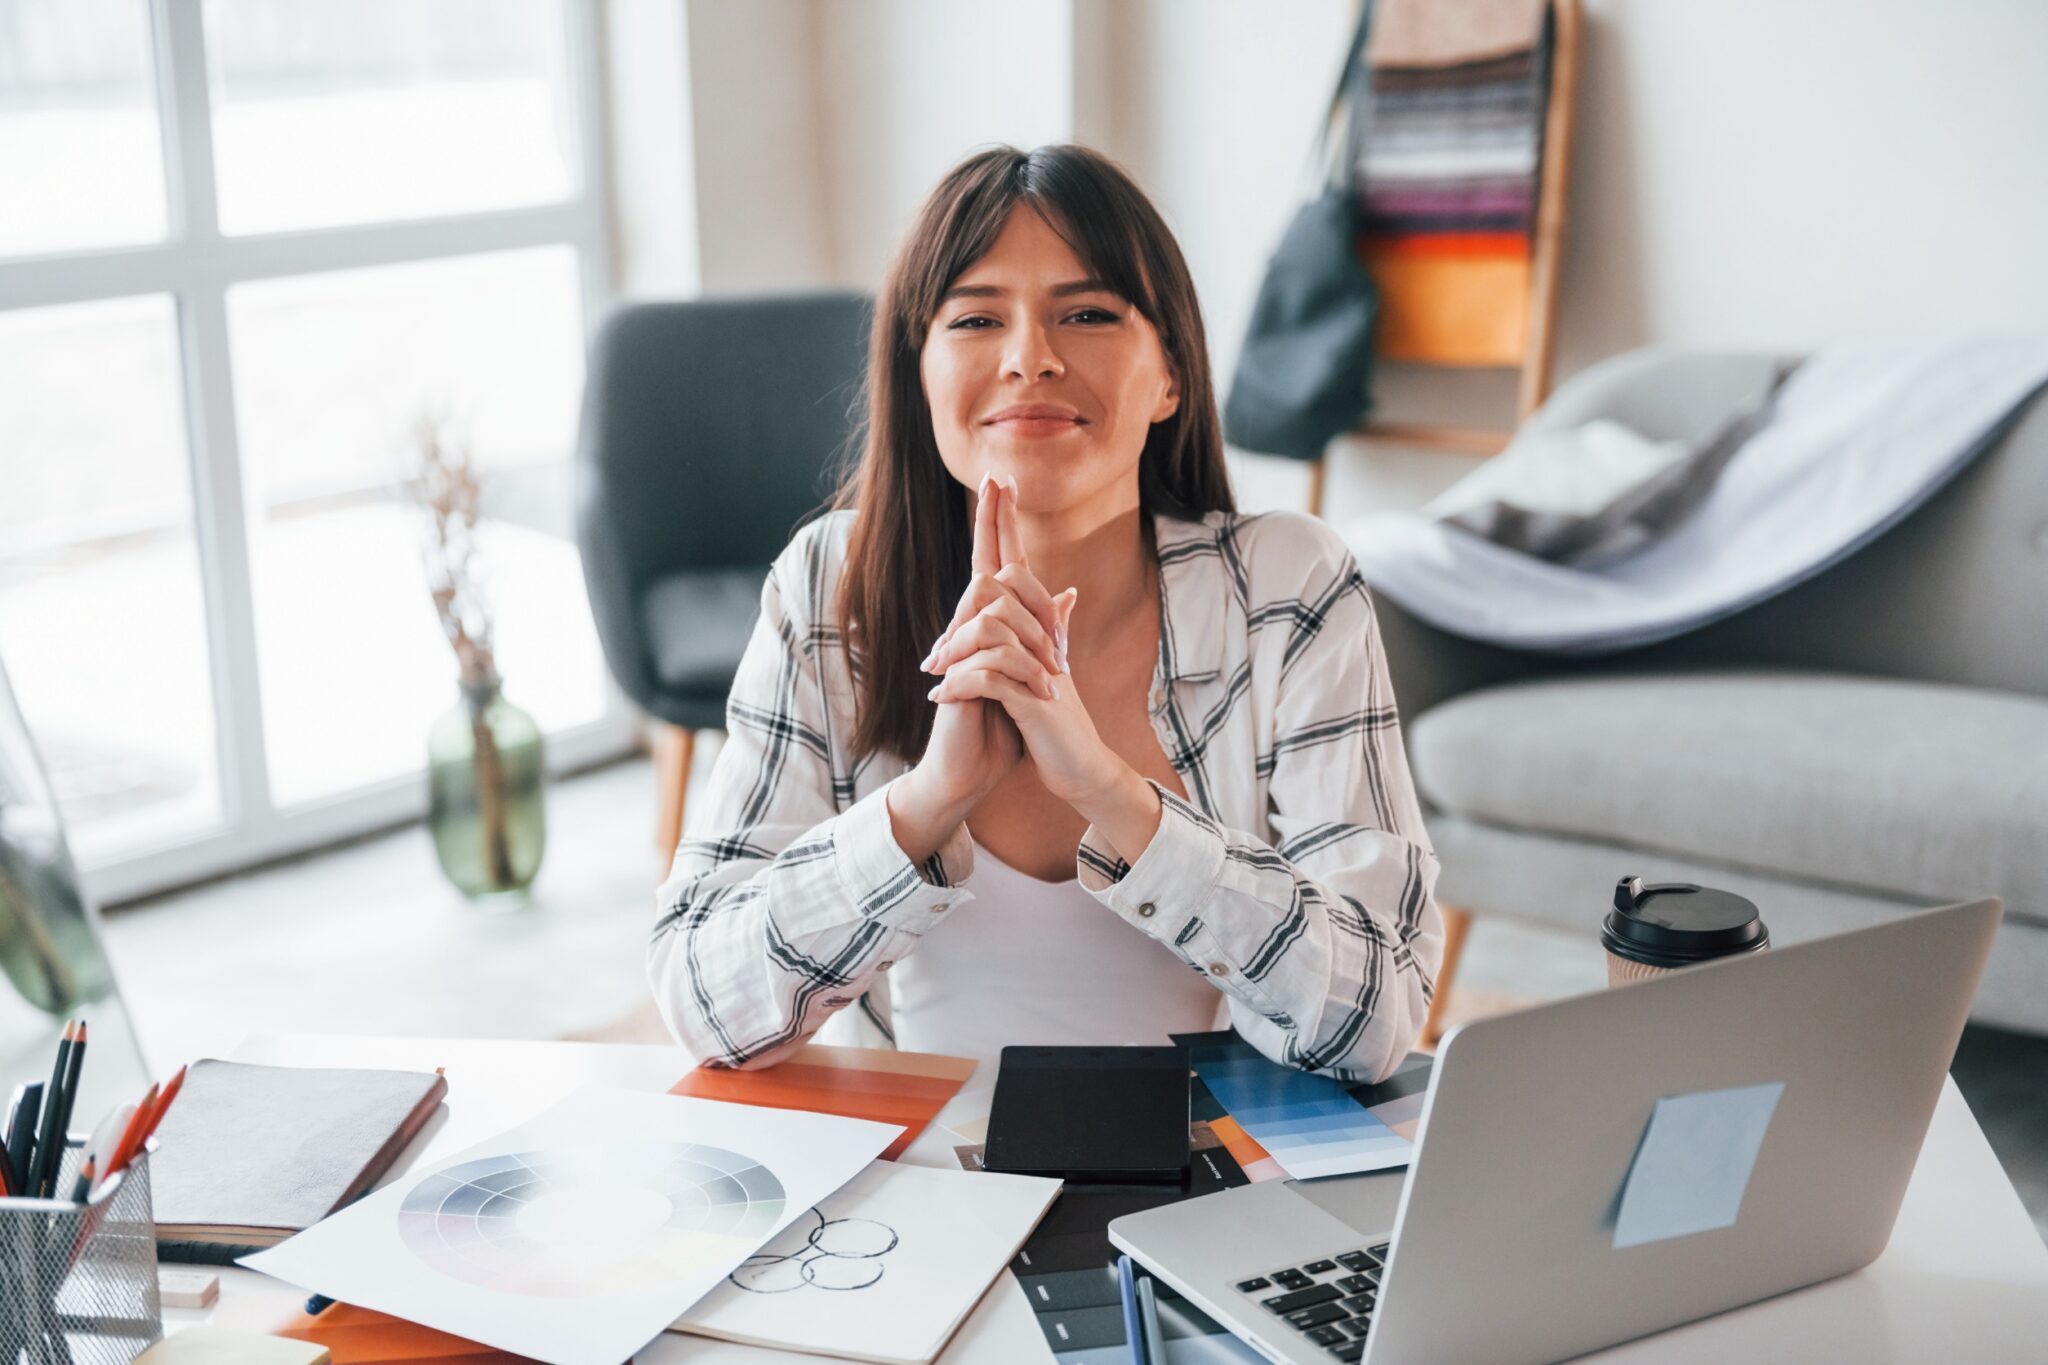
point(1038, 426)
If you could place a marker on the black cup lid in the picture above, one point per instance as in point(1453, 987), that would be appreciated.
point(1676, 924)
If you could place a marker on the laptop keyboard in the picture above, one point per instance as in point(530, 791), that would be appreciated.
point(1329, 1301)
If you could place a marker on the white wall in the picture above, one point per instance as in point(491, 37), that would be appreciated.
point(1756, 173)
point(909, 87)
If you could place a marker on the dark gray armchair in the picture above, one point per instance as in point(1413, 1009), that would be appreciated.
point(711, 430)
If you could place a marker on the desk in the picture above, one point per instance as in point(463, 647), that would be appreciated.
point(1964, 1279)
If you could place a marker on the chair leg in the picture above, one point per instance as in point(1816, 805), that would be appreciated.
point(674, 747)
point(1456, 924)
point(1316, 470)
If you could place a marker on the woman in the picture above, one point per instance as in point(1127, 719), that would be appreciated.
point(1037, 740)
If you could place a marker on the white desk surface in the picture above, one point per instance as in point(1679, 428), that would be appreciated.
point(1964, 1279)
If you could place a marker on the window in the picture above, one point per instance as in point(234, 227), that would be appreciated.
point(304, 227)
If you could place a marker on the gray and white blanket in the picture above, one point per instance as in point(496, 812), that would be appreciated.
point(1853, 441)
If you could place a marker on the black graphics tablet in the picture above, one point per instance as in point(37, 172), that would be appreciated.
point(1091, 1114)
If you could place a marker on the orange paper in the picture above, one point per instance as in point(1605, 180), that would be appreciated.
point(906, 1088)
point(357, 1336)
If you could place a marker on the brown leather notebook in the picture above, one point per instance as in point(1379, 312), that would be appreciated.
point(251, 1154)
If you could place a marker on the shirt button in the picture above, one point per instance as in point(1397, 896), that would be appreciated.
point(1158, 697)
point(1218, 969)
point(1147, 910)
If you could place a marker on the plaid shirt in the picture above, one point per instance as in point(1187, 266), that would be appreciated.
point(1297, 876)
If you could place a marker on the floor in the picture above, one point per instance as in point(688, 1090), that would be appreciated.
point(368, 938)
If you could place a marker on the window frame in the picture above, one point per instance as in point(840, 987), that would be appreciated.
point(196, 266)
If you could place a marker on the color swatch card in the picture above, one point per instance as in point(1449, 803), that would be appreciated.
point(1311, 1125)
point(906, 1088)
point(884, 1268)
point(578, 1236)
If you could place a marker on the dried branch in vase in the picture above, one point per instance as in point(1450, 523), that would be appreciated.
point(449, 492)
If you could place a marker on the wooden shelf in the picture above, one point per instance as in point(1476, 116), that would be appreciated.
point(1429, 436)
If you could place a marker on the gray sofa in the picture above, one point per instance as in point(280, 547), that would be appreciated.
point(1873, 740)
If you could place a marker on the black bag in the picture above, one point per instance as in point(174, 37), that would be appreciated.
point(1304, 373)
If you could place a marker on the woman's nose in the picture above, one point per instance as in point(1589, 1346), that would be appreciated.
point(1031, 354)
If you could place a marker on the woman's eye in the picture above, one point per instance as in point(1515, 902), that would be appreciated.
point(981, 322)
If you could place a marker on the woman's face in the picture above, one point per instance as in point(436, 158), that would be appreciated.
point(1034, 370)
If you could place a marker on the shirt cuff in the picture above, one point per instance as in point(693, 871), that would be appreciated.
point(879, 877)
point(1164, 891)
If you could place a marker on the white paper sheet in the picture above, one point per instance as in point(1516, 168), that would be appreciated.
point(1693, 1165)
point(883, 1269)
point(579, 1235)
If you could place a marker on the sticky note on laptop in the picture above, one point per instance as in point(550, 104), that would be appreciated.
point(1694, 1162)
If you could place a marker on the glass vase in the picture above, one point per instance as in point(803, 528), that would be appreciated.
point(49, 945)
point(484, 796)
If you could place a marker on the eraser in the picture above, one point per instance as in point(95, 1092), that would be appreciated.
point(187, 1288)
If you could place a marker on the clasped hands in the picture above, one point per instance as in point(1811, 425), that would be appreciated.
point(1005, 695)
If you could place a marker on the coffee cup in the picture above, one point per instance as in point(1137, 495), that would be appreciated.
point(1664, 927)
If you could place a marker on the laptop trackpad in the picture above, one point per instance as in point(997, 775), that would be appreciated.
point(1367, 1202)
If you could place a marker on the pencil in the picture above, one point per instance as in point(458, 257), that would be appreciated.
point(51, 1139)
point(72, 1071)
point(131, 1136)
point(163, 1106)
point(82, 1186)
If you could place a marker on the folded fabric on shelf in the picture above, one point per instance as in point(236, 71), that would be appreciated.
point(1459, 160)
point(1448, 175)
point(1437, 33)
point(1451, 298)
point(1520, 67)
point(1512, 195)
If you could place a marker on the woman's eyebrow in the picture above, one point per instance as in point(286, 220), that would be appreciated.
point(992, 291)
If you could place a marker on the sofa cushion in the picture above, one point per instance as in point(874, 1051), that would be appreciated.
point(1569, 884)
point(697, 625)
point(1904, 789)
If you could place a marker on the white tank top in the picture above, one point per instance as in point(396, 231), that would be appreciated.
point(1030, 961)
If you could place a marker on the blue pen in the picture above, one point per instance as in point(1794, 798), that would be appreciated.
point(1148, 1324)
point(1127, 1291)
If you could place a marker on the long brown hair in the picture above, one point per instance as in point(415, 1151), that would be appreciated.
point(907, 558)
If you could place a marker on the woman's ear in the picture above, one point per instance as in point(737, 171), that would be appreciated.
point(1169, 400)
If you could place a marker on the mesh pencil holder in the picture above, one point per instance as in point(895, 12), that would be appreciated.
point(78, 1281)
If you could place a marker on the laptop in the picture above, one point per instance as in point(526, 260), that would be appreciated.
point(1501, 1242)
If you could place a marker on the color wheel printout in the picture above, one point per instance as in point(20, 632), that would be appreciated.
point(576, 1237)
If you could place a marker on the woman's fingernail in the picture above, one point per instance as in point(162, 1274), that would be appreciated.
point(933, 695)
point(1063, 649)
point(1055, 687)
point(1010, 482)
